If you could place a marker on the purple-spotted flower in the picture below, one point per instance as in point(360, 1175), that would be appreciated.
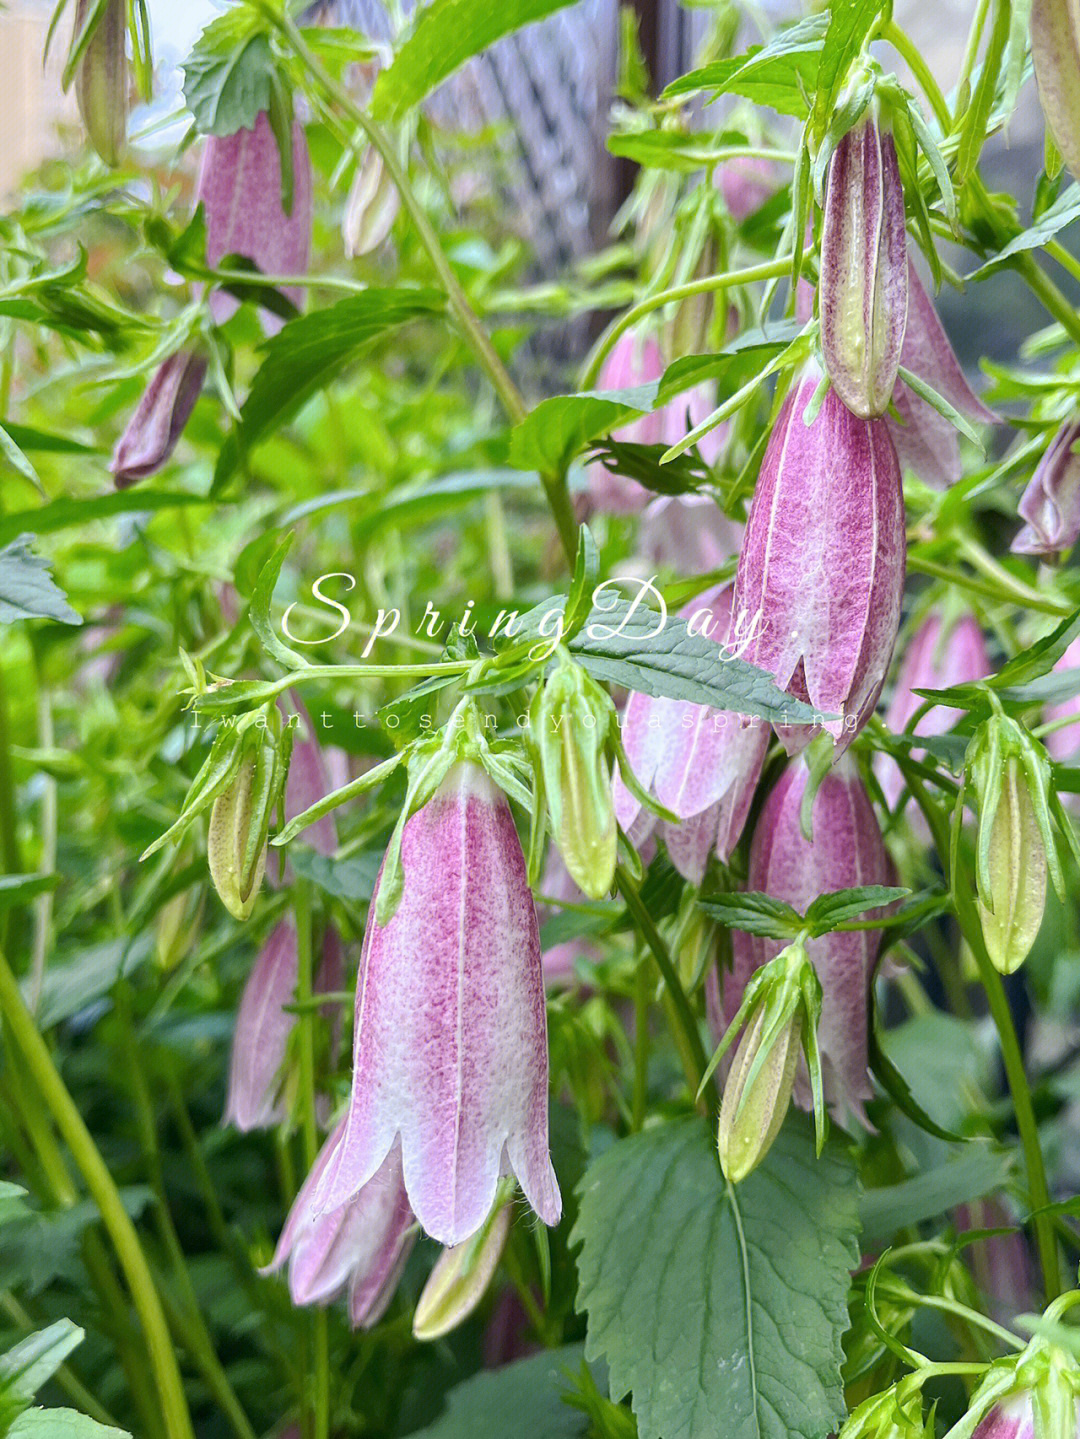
point(701, 764)
point(863, 286)
point(360, 1247)
point(821, 570)
point(1051, 503)
point(450, 1049)
point(938, 656)
point(846, 851)
point(240, 190)
point(926, 442)
point(159, 418)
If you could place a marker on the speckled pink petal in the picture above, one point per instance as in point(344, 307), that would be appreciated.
point(847, 851)
point(240, 189)
point(821, 571)
point(309, 782)
point(633, 361)
point(451, 1034)
point(1063, 744)
point(1013, 1418)
point(262, 1034)
point(363, 1244)
point(926, 443)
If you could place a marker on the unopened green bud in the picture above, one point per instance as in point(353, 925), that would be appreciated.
point(1012, 910)
point(757, 1093)
point(889, 1415)
point(101, 78)
point(570, 720)
point(1015, 846)
point(462, 1274)
point(240, 820)
point(177, 924)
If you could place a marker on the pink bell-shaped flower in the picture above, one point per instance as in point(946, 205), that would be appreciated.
point(700, 763)
point(846, 851)
point(1051, 502)
point(937, 657)
point(821, 570)
point(361, 1246)
point(1063, 744)
point(241, 193)
point(158, 420)
point(926, 442)
point(689, 534)
point(450, 1047)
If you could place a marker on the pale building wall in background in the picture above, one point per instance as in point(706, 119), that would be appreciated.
point(31, 101)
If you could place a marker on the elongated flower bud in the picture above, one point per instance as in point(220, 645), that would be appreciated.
point(753, 1108)
point(241, 192)
point(569, 722)
point(700, 763)
point(863, 289)
point(450, 1049)
point(371, 207)
point(1051, 502)
point(1055, 53)
point(101, 79)
point(926, 442)
point(938, 656)
point(461, 1276)
point(240, 823)
point(361, 1246)
point(846, 851)
point(821, 571)
point(888, 1416)
point(1012, 903)
point(158, 422)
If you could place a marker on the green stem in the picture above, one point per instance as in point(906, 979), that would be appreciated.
point(1050, 296)
point(1068, 262)
point(904, 46)
point(971, 929)
point(708, 284)
point(641, 1044)
point(310, 1133)
point(682, 1014)
point(104, 1193)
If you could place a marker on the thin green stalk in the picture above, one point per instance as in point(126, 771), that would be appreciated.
point(708, 284)
point(642, 987)
point(682, 1014)
point(1050, 296)
point(103, 1190)
point(477, 338)
point(971, 929)
point(904, 46)
point(1068, 262)
point(310, 1133)
point(192, 1327)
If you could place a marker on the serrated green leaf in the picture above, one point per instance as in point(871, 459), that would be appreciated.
point(311, 351)
point(1062, 213)
point(755, 913)
point(526, 1397)
point(445, 35)
point(688, 1299)
point(850, 23)
point(62, 1424)
point(259, 609)
point(559, 428)
point(829, 910)
point(27, 588)
point(780, 74)
point(227, 77)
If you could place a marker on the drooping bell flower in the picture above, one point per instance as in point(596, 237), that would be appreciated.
point(821, 570)
point(450, 1050)
point(159, 418)
point(361, 1247)
point(863, 284)
point(846, 851)
point(1063, 744)
point(701, 764)
point(101, 78)
point(632, 362)
point(257, 1092)
point(1055, 53)
point(1043, 1398)
point(938, 656)
point(1051, 502)
point(556, 884)
point(371, 207)
point(240, 188)
point(926, 442)
point(307, 783)
point(688, 533)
